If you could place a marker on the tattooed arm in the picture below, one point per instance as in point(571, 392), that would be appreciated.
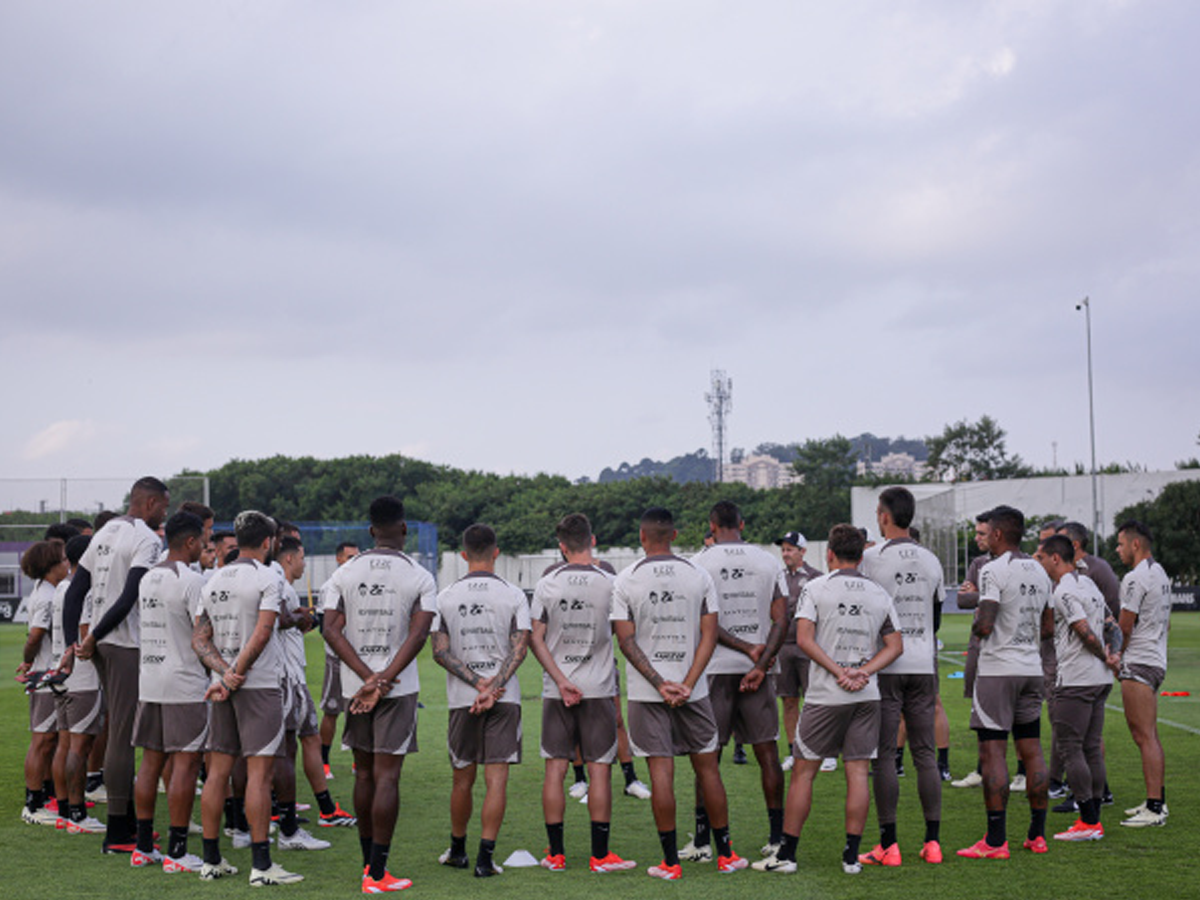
point(518, 646)
point(985, 618)
point(202, 643)
point(627, 641)
point(1093, 644)
point(1112, 634)
point(440, 641)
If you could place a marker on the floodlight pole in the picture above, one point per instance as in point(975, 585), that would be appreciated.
point(1086, 306)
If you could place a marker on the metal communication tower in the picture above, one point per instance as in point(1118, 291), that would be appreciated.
point(720, 402)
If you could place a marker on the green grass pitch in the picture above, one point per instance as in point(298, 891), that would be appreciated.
point(40, 862)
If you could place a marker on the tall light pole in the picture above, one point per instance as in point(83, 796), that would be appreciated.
point(1086, 306)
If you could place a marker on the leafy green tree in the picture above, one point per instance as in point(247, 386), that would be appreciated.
point(1174, 519)
point(826, 463)
point(972, 451)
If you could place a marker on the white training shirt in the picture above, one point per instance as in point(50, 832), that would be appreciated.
point(852, 615)
point(233, 598)
point(378, 592)
point(575, 603)
point(1146, 592)
point(83, 673)
point(1023, 589)
point(912, 576)
point(168, 601)
point(665, 597)
point(747, 579)
point(41, 615)
point(291, 640)
point(123, 544)
point(480, 612)
point(1076, 598)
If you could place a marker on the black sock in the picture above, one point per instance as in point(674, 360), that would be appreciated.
point(287, 818)
point(1055, 785)
point(486, 849)
point(1020, 767)
point(79, 813)
point(1155, 806)
point(116, 830)
point(1037, 824)
point(325, 803)
point(600, 839)
point(670, 848)
point(1089, 811)
point(887, 835)
point(364, 844)
point(899, 757)
point(978, 768)
point(211, 851)
point(997, 828)
point(260, 854)
point(177, 837)
point(379, 856)
point(230, 814)
point(241, 823)
point(702, 838)
point(787, 847)
point(721, 839)
point(580, 774)
point(554, 832)
point(458, 846)
point(628, 772)
point(933, 830)
point(850, 851)
point(48, 788)
point(64, 807)
point(325, 753)
point(775, 820)
point(943, 757)
point(145, 835)
point(34, 799)
point(94, 780)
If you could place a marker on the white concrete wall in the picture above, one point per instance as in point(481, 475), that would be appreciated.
point(1068, 496)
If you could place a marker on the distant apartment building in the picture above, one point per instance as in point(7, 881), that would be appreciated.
point(761, 472)
point(894, 465)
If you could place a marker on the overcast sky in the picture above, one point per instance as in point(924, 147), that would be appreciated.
point(517, 236)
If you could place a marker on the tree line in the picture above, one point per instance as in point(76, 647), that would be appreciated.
point(522, 509)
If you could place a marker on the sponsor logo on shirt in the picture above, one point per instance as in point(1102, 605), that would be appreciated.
point(669, 655)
